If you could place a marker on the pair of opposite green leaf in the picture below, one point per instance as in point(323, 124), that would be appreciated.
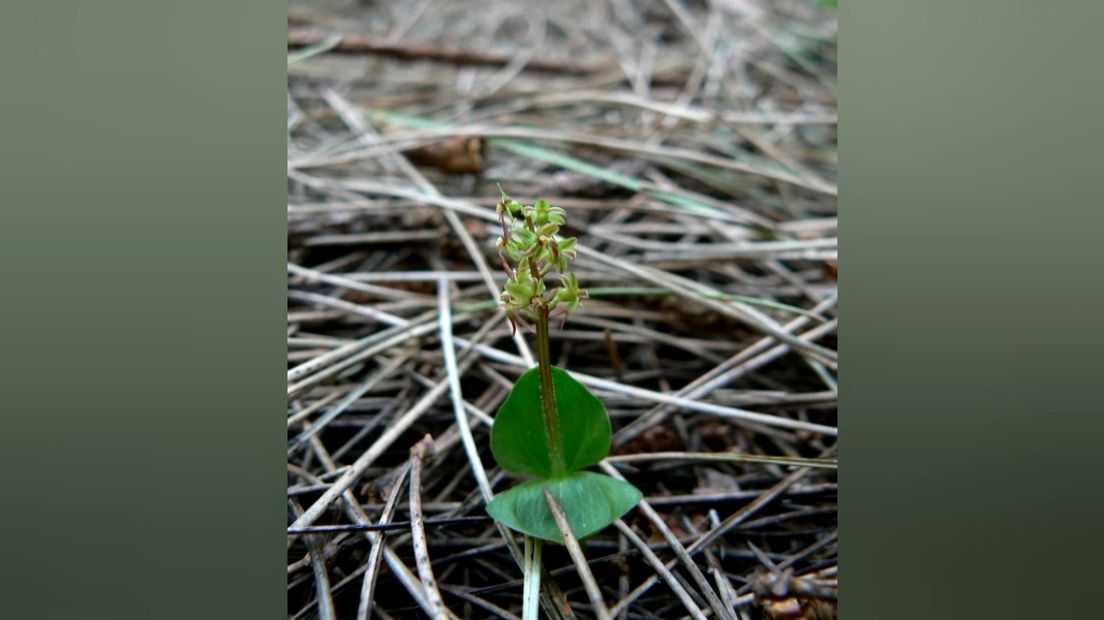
point(519, 443)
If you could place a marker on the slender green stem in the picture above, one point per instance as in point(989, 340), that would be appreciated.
point(548, 395)
point(532, 570)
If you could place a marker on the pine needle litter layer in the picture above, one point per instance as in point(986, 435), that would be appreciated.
point(693, 144)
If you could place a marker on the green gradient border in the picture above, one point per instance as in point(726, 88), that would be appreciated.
point(142, 248)
point(970, 193)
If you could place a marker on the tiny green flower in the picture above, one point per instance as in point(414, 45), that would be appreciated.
point(529, 239)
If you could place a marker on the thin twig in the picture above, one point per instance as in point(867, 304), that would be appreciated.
point(660, 569)
point(366, 44)
point(418, 455)
point(721, 457)
point(573, 548)
point(368, 586)
point(321, 576)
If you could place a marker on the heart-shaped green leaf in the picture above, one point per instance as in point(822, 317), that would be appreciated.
point(591, 502)
point(518, 438)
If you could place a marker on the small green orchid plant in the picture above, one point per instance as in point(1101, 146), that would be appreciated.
point(550, 427)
